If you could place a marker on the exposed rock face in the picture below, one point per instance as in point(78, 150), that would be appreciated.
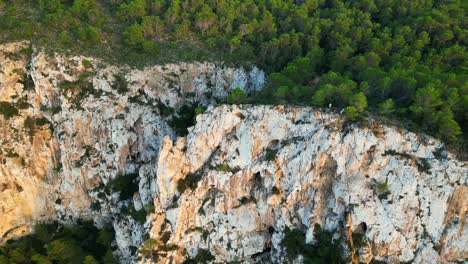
point(78, 123)
point(265, 168)
point(71, 126)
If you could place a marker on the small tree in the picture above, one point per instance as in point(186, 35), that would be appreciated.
point(237, 96)
point(90, 260)
point(64, 251)
point(359, 101)
point(134, 36)
point(39, 259)
point(387, 107)
point(351, 112)
point(148, 249)
point(447, 126)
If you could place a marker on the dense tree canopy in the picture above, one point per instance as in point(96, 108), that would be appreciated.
point(52, 243)
point(400, 58)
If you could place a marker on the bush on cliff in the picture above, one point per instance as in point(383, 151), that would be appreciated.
point(67, 244)
point(324, 250)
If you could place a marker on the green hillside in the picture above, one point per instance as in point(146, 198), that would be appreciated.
point(402, 59)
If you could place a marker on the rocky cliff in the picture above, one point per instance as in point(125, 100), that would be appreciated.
point(70, 126)
point(260, 169)
point(81, 139)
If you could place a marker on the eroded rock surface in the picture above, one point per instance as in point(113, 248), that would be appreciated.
point(69, 126)
point(74, 130)
point(262, 169)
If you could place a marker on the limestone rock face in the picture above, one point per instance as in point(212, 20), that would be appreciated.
point(69, 126)
point(82, 139)
point(28, 151)
point(261, 169)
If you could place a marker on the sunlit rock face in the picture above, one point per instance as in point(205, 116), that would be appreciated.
point(73, 124)
point(264, 168)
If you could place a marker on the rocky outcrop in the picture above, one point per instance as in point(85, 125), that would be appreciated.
point(70, 126)
point(260, 169)
point(81, 139)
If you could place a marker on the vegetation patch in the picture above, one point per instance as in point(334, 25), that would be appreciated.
point(120, 84)
point(30, 124)
point(395, 153)
point(440, 153)
point(53, 109)
point(312, 55)
point(76, 91)
point(382, 186)
point(359, 240)
point(199, 110)
point(125, 184)
point(87, 63)
point(203, 256)
point(189, 182)
point(223, 167)
point(382, 190)
point(421, 163)
point(270, 154)
point(165, 110)
point(12, 154)
point(148, 250)
point(152, 249)
point(275, 190)
point(237, 96)
point(246, 200)
point(183, 119)
point(8, 110)
point(27, 81)
point(138, 215)
point(324, 250)
point(54, 243)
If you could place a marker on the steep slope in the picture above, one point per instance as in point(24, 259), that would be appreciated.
point(81, 139)
point(256, 170)
point(70, 126)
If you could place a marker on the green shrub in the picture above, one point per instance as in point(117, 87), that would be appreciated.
point(421, 163)
point(275, 190)
point(148, 250)
point(383, 186)
point(12, 154)
point(190, 182)
point(54, 243)
point(223, 167)
point(203, 256)
point(199, 110)
point(126, 185)
point(325, 250)
point(271, 154)
point(245, 200)
point(87, 63)
point(53, 109)
point(183, 119)
point(80, 89)
point(359, 240)
point(8, 110)
point(150, 208)
point(90, 260)
point(351, 112)
point(237, 96)
point(120, 84)
point(27, 81)
point(137, 215)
